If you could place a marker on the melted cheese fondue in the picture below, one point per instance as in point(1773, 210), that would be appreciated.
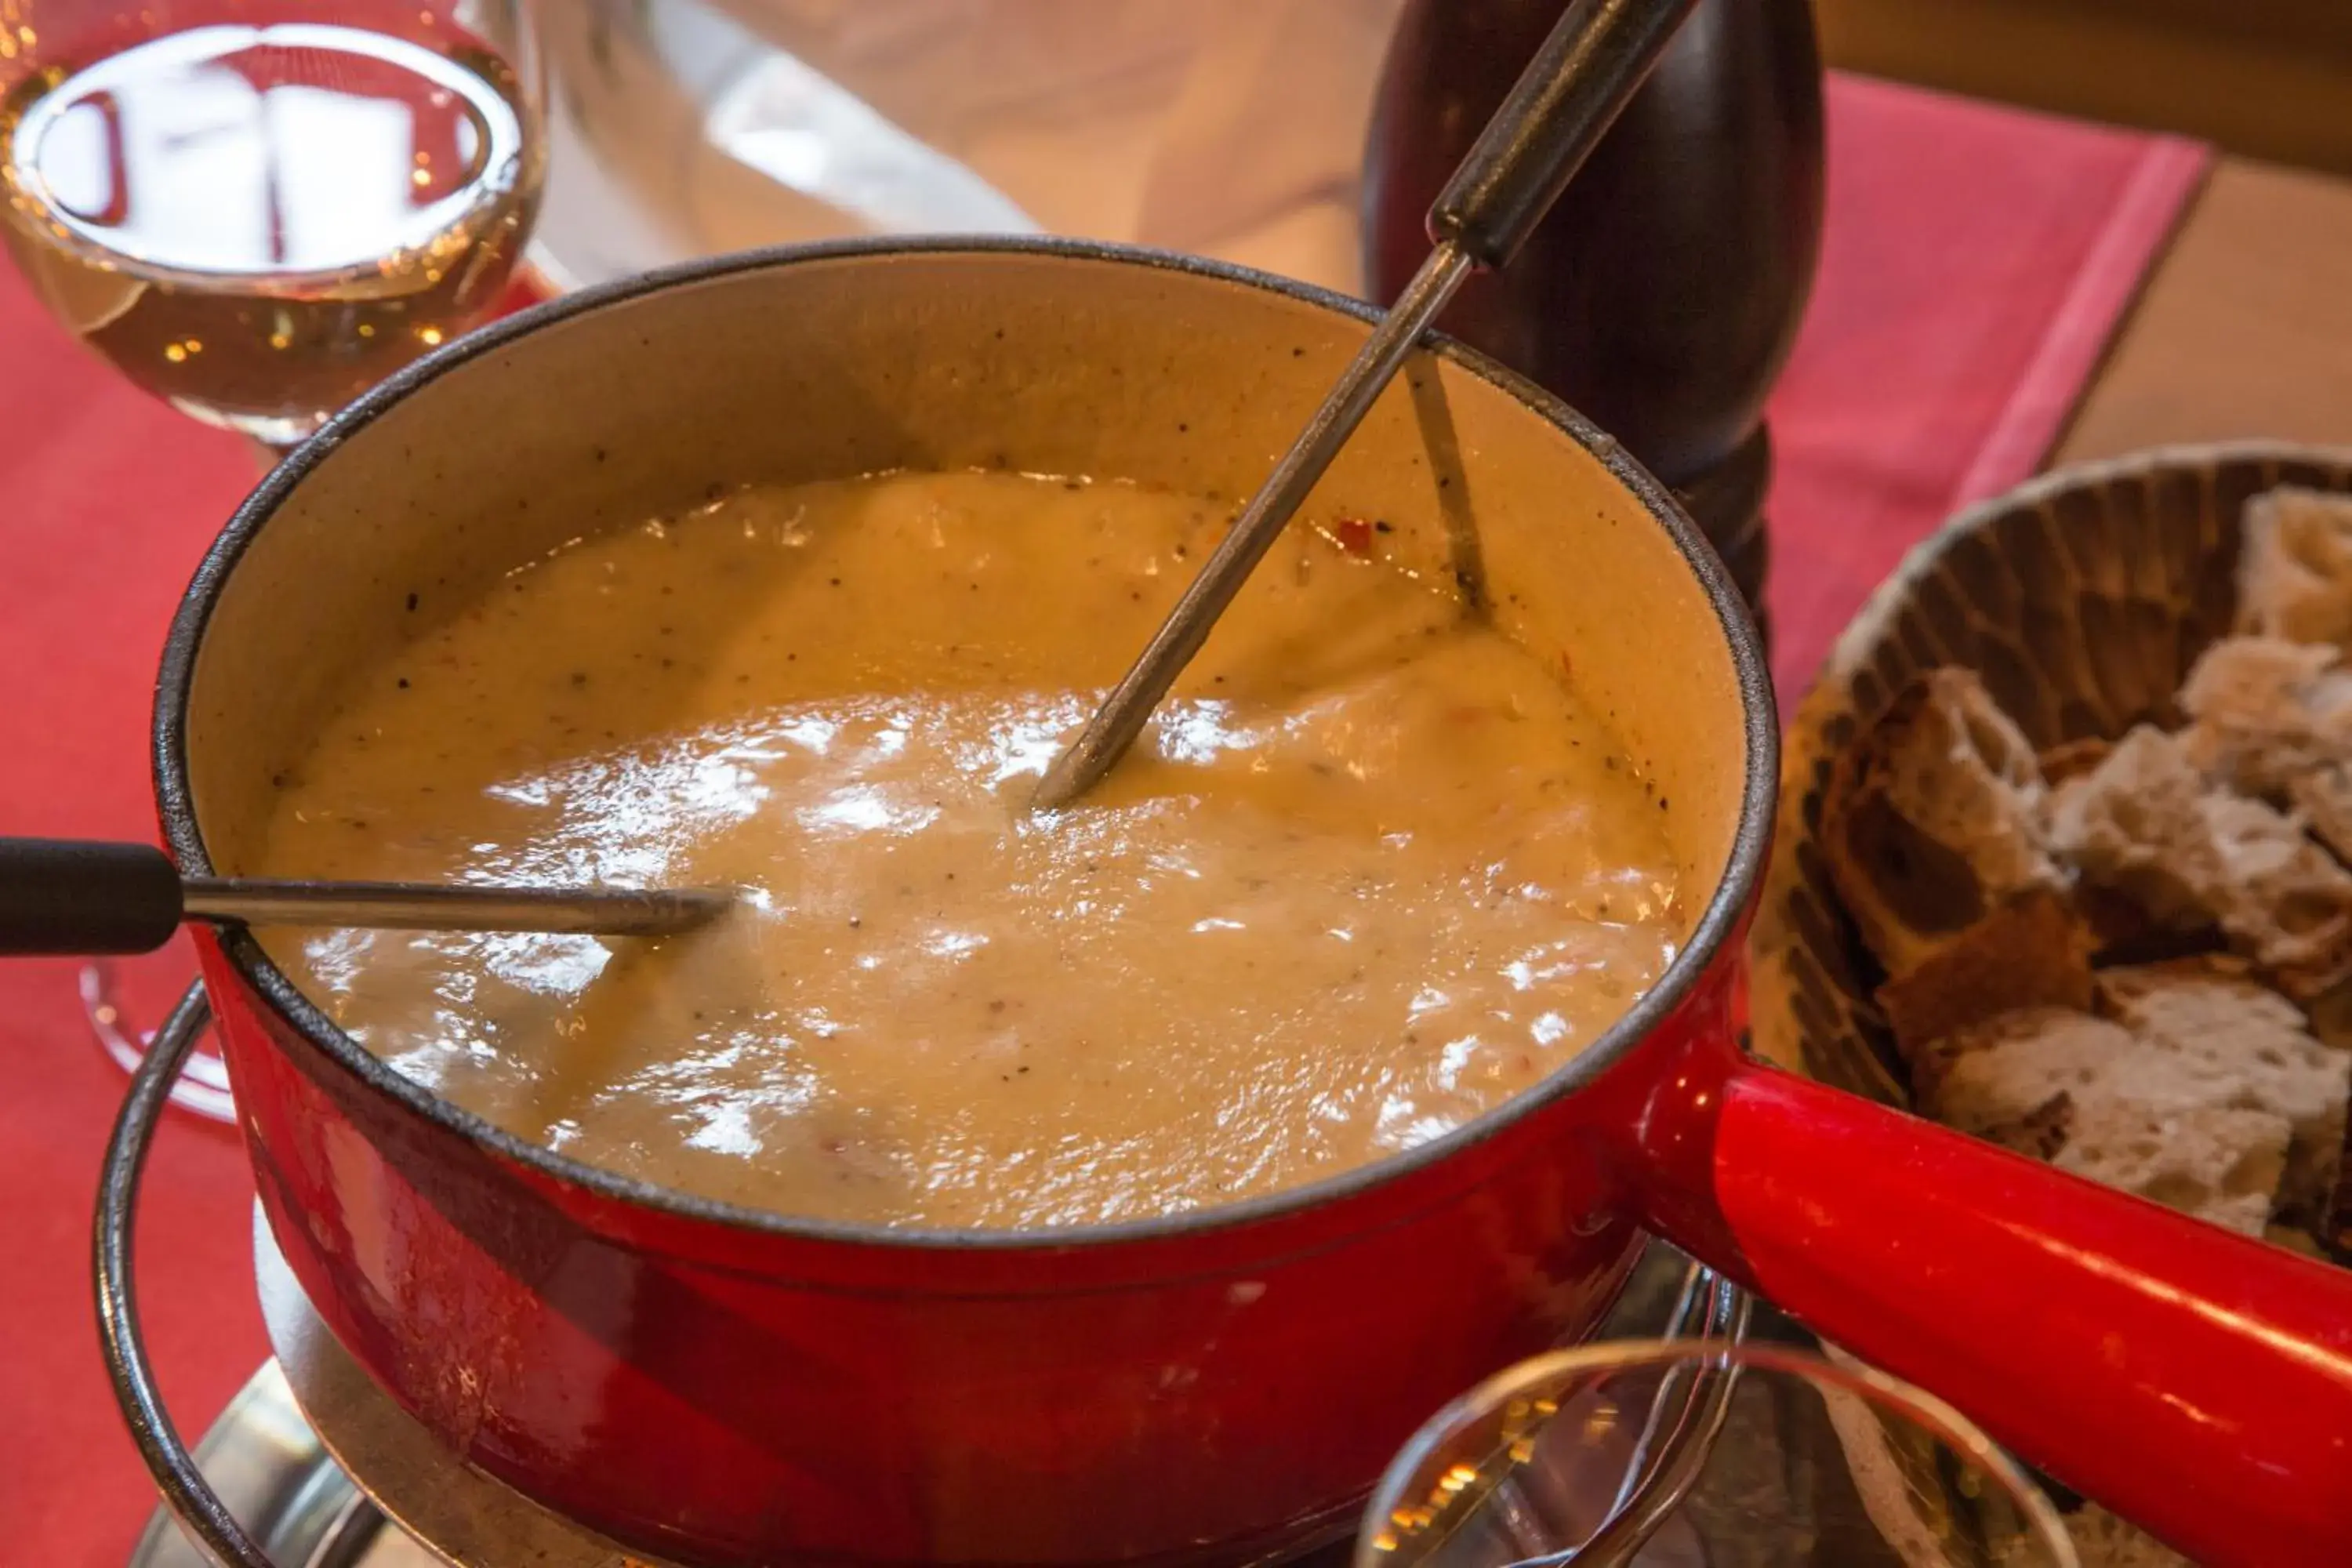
point(1375, 870)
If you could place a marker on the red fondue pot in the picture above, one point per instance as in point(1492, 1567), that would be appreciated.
point(721, 1385)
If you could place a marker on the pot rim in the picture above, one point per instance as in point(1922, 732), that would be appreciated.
point(1711, 937)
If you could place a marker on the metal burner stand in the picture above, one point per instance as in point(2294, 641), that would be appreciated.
point(327, 1472)
point(313, 1465)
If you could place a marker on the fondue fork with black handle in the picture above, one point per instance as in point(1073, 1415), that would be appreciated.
point(1594, 60)
point(87, 898)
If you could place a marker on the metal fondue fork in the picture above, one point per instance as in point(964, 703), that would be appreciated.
point(1570, 93)
point(64, 896)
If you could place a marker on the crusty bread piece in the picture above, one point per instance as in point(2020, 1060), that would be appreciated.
point(2263, 712)
point(2226, 1040)
point(2030, 952)
point(2218, 1165)
point(2147, 825)
point(2285, 901)
point(2140, 1115)
point(2103, 1541)
point(2135, 825)
point(1998, 1073)
point(2123, 817)
point(2294, 569)
point(1929, 821)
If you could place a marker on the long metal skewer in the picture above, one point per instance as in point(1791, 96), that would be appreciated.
point(1594, 59)
point(423, 906)
point(1122, 716)
point(71, 896)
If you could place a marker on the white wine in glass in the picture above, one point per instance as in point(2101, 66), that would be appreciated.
point(258, 218)
point(256, 210)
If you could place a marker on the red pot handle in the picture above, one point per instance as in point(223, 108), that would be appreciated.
point(2190, 1379)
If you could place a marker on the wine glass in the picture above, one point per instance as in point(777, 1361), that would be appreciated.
point(256, 210)
point(1696, 1453)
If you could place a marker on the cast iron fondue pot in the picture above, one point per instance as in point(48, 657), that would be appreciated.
point(719, 1386)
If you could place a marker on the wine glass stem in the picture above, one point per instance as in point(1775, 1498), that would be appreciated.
point(203, 1085)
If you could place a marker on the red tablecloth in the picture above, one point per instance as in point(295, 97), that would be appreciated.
point(1975, 261)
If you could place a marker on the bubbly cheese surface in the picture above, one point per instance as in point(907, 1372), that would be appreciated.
point(1373, 870)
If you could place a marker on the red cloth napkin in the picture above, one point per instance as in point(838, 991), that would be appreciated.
point(1974, 263)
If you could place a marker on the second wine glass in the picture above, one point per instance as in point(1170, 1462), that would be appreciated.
point(1789, 1457)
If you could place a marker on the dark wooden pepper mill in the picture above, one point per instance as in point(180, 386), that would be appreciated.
point(1661, 296)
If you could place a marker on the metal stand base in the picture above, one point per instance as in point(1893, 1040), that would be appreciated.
point(279, 1482)
point(325, 1471)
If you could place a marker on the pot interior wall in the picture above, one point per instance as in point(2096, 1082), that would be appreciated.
point(832, 366)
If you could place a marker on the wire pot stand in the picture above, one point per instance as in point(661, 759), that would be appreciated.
point(328, 1459)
